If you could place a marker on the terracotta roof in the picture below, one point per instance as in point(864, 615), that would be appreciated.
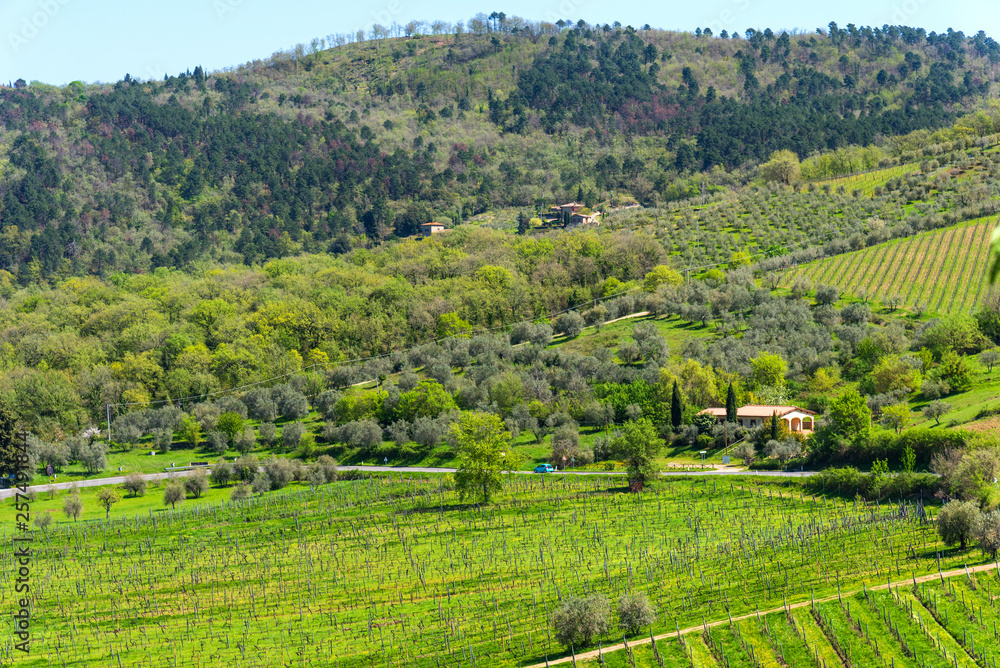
point(752, 411)
point(432, 225)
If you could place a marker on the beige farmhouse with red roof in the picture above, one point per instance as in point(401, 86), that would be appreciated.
point(797, 419)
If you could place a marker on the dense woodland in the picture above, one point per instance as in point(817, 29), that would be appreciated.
point(204, 257)
point(326, 150)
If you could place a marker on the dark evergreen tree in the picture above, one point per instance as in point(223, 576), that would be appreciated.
point(731, 404)
point(774, 426)
point(676, 408)
point(522, 223)
point(9, 439)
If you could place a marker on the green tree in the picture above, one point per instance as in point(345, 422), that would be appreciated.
point(173, 493)
point(427, 399)
point(485, 454)
point(108, 496)
point(957, 521)
point(782, 167)
point(746, 451)
point(661, 275)
point(189, 430)
point(73, 506)
point(676, 408)
point(580, 619)
point(955, 370)
point(9, 440)
point(196, 484)
point(222, 472)
point(769, 370)
point(731, 406)
point(897, 417)
point(135, 483)
point(638, 444)
point(988, 533)
point(230, 424)
point(936, 409)
point(850, 415)
point(635, 611)
point(450, 324)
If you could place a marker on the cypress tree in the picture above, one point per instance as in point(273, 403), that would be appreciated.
point(731, 404)
point(9, 440)
point(774, 426)
point(676, 408)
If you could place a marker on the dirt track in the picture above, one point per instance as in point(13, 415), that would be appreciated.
point(694, 629)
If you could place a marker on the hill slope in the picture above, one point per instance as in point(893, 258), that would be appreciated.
point(349, 146)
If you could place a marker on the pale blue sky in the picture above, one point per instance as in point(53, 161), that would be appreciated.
point(57, 41)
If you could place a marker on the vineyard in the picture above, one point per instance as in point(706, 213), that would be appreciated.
point(935, 624)
point(942, 271)
point(398, 571)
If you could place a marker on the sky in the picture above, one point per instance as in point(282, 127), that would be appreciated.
point(58, 41)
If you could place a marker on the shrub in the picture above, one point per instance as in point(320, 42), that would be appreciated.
point(580, 619)
point(635, 611)
point(240, 492)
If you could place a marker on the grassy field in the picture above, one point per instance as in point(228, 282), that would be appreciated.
point(397, 570)
point(942, 270)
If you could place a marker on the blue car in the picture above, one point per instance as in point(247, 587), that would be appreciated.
point(544, 468)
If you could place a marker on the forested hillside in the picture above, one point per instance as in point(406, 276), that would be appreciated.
point(177, 242)
point(327, 150)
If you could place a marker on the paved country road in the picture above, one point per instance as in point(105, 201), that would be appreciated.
point(117, 480)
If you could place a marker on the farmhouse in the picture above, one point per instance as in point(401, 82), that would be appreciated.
point(431, 228)
point(583, 219)
point(569, 207)
point(797, 419)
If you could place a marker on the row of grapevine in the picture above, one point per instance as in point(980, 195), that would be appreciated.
point(942, 271)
